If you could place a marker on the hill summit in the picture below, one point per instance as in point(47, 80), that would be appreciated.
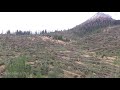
point(101, 15)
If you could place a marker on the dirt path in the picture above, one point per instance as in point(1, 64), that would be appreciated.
point(79, 62)
point(2, 68)
point(70, 74)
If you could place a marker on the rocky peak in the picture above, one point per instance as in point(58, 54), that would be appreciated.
point(100, 15)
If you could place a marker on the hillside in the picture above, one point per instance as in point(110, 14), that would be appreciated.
point(106, 40)
point(100, 32)
point(45, 57)
point(89, 50)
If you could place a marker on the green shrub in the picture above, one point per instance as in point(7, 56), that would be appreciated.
point(60, 37)
point(18, 69)
point(56, 72)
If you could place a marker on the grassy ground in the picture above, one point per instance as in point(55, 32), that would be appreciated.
point(43, 57)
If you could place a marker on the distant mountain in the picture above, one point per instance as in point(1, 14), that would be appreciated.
point(99, 20)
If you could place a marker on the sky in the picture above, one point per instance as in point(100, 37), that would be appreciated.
point(51, 21)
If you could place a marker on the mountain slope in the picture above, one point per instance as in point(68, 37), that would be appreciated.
point(99, 20)
point(106, 41)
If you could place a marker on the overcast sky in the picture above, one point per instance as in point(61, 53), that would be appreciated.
point(37, 21)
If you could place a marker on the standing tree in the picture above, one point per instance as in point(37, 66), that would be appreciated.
point(36, 33)
point(45, 31)
point(8, 32)
point(42, 32)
